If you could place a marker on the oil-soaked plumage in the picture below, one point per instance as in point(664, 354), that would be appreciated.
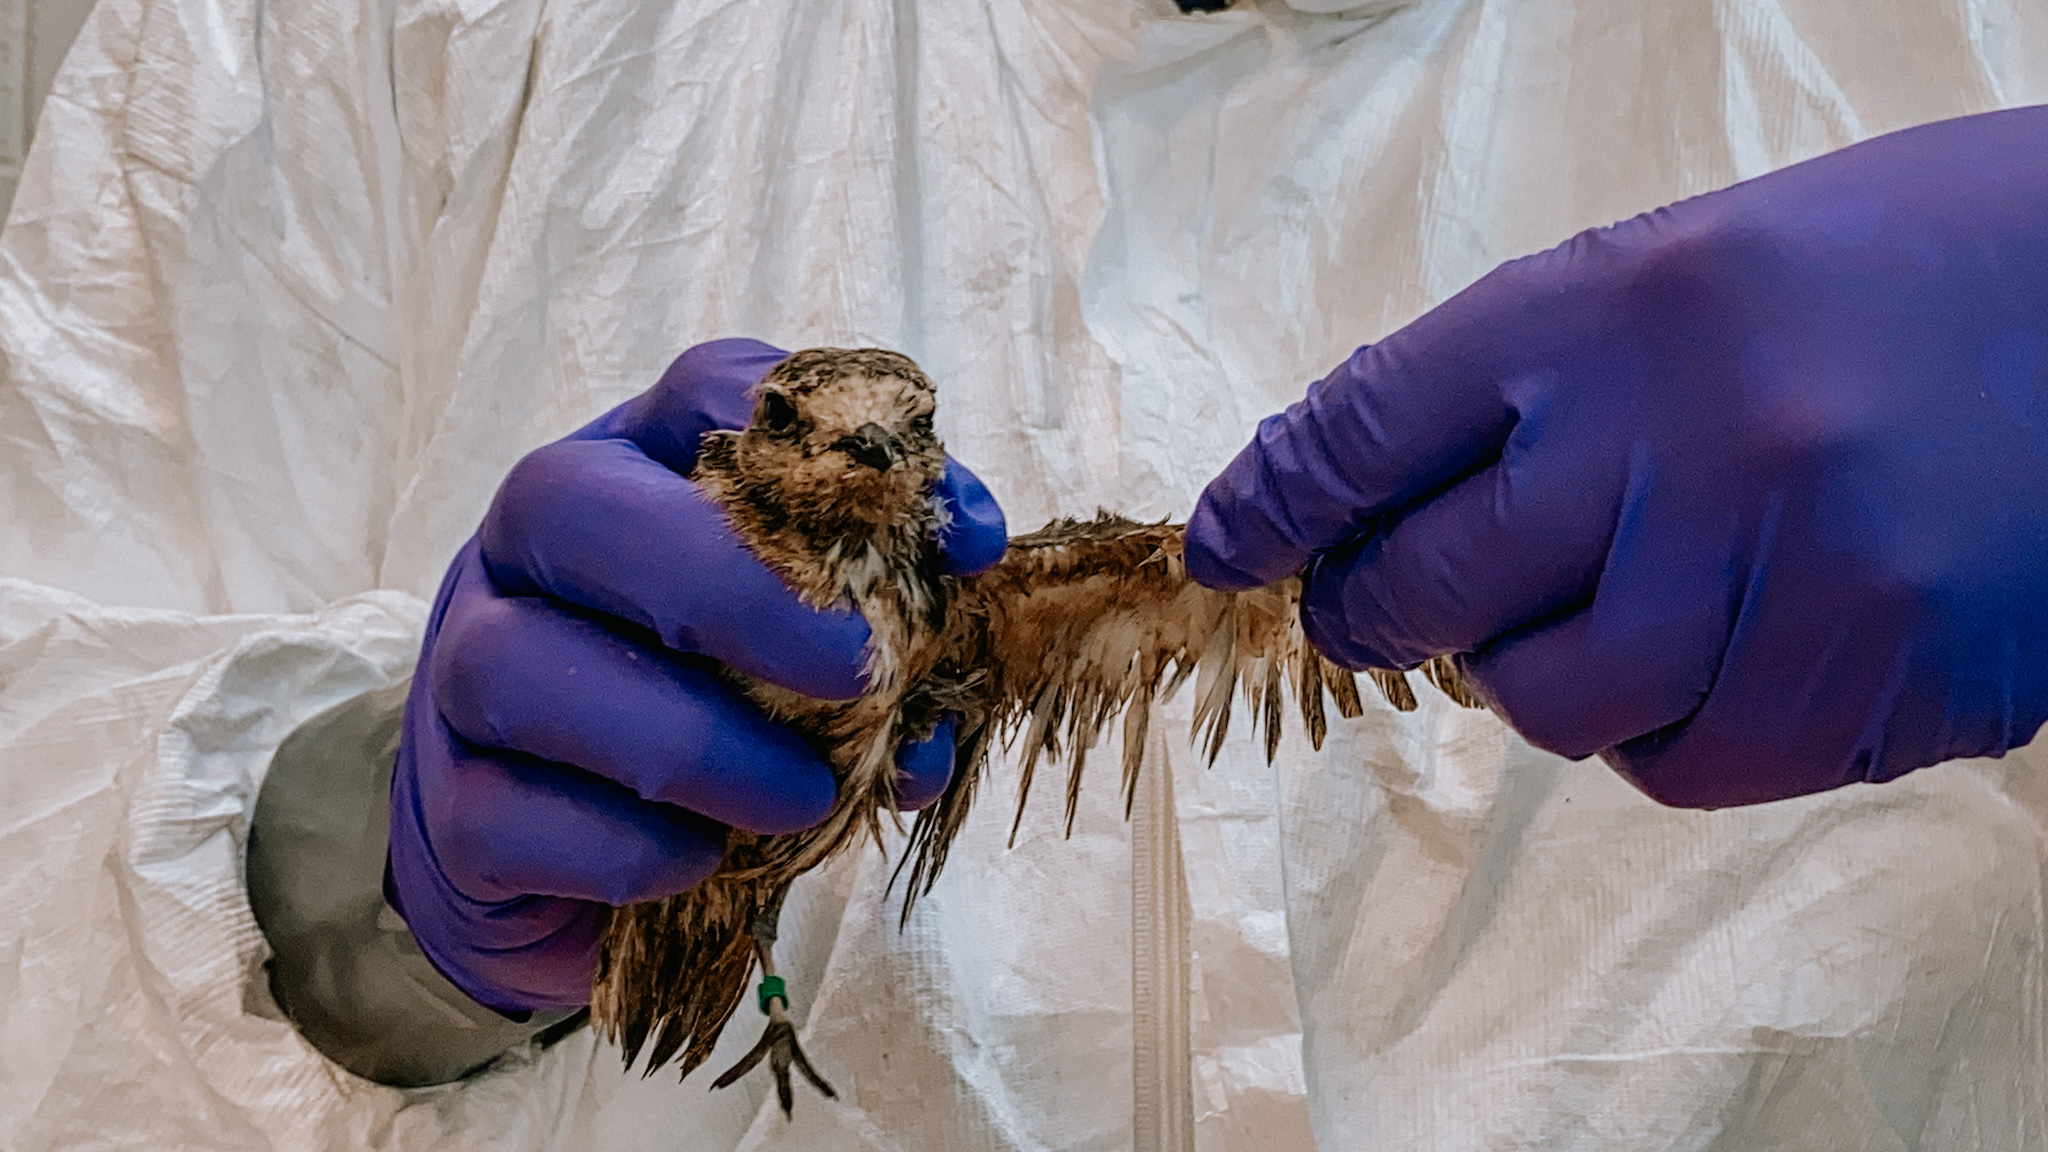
point(831, 485)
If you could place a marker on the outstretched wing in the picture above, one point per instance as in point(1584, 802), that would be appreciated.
point(1083, 619)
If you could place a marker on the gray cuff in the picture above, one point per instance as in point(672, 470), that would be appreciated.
point(345, 968)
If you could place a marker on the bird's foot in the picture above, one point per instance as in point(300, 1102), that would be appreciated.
point(779, 1046)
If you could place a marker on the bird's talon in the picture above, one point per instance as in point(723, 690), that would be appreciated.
point(760, 1049)
point(778, 1044)
point(803, 1065)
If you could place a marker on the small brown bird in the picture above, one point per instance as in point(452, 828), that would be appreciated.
point(831, 485)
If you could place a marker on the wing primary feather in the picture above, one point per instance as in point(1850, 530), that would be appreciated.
point(1080, 758)
point(1443, 673)
point(1216, 666)
point(1044, 709)
point(1137, 725)
point(1309, 687)
point(1182, 669)
point(1274, 706)
point(1344, 689)
point(1023, 794)
point(1212, 715)
point(1393, 685)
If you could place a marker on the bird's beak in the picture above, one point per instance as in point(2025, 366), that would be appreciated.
point(871, 445)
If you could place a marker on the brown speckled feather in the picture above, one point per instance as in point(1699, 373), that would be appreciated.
point(1080, 622)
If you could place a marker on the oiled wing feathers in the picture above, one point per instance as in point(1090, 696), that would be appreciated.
point(1084, 619)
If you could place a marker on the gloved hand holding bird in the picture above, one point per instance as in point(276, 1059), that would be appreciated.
point(834, 485)
point(724, 633)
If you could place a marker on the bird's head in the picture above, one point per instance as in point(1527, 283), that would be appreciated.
point(840, 454)
point(844, 436)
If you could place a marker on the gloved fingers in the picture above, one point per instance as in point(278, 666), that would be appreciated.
point(1648, 649)
point(925, 768)
point(1516, 542)
point(523, 676)
point(1405, 418)
point(709, 387)
point(1803, 691)
point(501, 825)
point(1880, 675)
point(976, 534)
point(598, 525)
point(1586, 683)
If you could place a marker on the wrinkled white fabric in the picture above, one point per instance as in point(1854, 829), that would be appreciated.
point(287, 287)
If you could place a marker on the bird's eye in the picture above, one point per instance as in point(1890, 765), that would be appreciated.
point(778, 415)
point(921, 424)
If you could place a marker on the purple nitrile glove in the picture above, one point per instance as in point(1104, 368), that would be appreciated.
point(1749, 495)
point(567, 743)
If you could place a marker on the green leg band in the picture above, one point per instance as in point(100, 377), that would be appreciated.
point(772, 989)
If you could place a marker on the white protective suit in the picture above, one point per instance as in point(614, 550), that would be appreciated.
point(288, 285)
